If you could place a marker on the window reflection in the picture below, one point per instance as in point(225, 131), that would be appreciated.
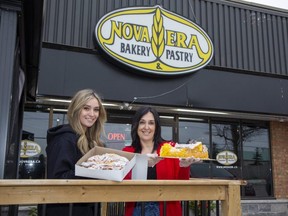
point(256, 161)
point(225, 137)
point(255, 144)
point(226, 147)
point(35, 125)
point(59, 119)
point(118, 135)
point(248, 141)
point(194, 131)
point(167, 132)
point(250, 144)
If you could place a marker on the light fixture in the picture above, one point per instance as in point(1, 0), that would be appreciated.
point(201, 111)
point(68, 101)
point(59, 100)
point(191, 119)
point(58, 110)
point(125, 106)
point(110, 104)
point(167, 117)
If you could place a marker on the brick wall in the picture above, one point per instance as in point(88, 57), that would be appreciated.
point(279, 150)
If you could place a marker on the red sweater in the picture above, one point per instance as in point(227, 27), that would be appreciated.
point(166, 169)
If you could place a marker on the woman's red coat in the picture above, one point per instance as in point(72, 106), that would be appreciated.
point(166, 169)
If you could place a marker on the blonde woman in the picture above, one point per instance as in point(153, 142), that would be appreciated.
point(67, 143)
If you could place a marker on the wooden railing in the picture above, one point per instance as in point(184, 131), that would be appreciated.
point(22, 192)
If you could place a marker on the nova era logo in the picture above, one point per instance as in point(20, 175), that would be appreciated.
point(154, 40)
point(226, 158)
point(29, 149)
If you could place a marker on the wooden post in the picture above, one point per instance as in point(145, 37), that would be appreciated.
point(231, 206)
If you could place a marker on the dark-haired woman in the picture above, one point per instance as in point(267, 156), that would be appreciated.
point(147, 139)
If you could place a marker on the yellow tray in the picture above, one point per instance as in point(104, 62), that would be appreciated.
point(184, 158)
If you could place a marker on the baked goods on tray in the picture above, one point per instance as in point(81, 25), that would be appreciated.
point(197, 150)
point(107, 161)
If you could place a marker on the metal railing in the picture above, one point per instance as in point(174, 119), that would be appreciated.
point(189, 208)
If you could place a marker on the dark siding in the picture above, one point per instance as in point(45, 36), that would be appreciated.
point(245, 37)
point(8, 29)
point(208, 89)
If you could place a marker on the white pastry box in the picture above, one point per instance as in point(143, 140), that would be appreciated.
point(137, 163)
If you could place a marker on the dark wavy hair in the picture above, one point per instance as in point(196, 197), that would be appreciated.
point(135, 123)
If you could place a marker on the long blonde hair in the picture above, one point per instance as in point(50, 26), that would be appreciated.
point(91, 137)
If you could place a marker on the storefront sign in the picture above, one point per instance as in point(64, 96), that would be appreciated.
point(154, 40)
point(29, 149)
point(116, 136)
point(226, 158)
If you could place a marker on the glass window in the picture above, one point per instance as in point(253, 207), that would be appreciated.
point(59, 119)
point(225, 137)
point(255, 144)
point(35, 126)
point(198, 131)
point(256, 161)
point(117, 135)
point(167, 132)
point(226, 144)
point(246, 143)
point(33, 144)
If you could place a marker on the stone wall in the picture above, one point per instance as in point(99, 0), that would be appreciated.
point(264, 207)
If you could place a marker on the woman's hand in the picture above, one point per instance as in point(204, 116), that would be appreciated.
point(186, 162)
point(153, 159)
